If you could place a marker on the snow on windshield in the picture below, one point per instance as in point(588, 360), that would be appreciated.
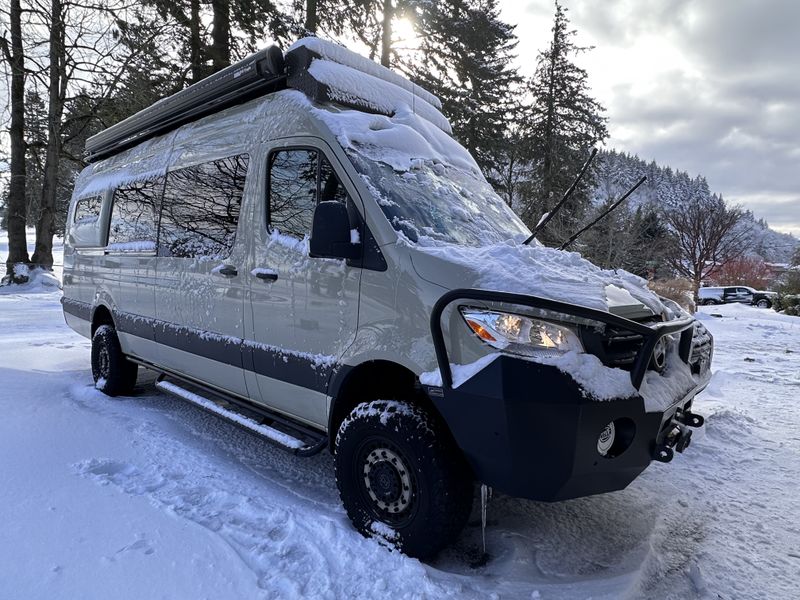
point(433, 202)
point(427, 184)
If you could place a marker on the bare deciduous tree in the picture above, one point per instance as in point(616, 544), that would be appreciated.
point(13, 53)
point(706, 237)
point(82, 44)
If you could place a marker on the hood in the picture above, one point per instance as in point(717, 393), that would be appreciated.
point(537, 271)
point(620, 302)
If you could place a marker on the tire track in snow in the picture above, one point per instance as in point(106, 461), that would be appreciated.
point(296, 544)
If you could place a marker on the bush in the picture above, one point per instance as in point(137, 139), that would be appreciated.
point(677, 290)
point(788, 304)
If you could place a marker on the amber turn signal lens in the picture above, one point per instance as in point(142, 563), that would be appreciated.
point(480, 331)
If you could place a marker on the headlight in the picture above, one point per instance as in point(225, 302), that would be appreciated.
point(519, 334)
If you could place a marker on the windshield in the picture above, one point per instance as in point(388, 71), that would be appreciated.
point(433, 202)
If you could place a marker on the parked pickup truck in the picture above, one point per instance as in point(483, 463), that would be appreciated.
point(739, 293)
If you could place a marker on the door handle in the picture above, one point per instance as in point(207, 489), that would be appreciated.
point(265, 274)
point(226, 271)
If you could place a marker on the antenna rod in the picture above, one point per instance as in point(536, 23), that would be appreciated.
point(557, 207)
point(605, 213)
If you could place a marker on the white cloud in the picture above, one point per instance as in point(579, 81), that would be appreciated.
point(710, 88)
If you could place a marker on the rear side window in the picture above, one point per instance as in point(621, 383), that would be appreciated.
point(201, 208)
point(84, 231)
point(298, 179)
point(87, 211)
point(133, 216)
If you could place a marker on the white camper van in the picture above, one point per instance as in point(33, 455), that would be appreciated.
point(299, 245)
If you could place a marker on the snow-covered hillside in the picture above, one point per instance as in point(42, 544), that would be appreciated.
point(664, 187)
point(147, 497)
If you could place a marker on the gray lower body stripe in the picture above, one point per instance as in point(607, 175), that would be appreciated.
point(76, 308)
point(260, 359)
point(285, 366)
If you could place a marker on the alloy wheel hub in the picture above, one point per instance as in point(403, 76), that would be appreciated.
point(387, 480)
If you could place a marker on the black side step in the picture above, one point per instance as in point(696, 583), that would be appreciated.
point(285, 433)
point(289, 441)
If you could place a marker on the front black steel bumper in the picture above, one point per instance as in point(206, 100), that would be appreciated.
point(531, 431)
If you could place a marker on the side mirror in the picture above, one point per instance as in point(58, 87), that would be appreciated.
point(330, 233)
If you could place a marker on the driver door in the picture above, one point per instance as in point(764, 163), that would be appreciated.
point(304, 310)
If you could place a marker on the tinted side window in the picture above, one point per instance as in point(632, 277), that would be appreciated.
point(133, 216)
point(298, 179)
point(87, 210)
point(292, 191)
point(201, 208)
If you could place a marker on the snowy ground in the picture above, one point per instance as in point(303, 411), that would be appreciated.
point(146, 497)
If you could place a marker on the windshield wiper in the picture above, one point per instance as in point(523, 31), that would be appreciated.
point(604, 214)
point(546, 219)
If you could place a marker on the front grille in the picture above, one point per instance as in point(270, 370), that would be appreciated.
point(620, 348)
point(702, 347)
point(615, 347)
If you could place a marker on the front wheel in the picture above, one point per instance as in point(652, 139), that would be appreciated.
point(763, 303)
point(113, 374)
point(401, 477)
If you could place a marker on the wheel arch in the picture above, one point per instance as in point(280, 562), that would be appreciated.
point(373, 380)
point(101, 315)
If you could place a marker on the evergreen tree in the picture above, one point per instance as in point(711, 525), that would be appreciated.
point(369, 21)
point(564, 121)
point(465, 58)
point(205, 50)
point(35, 144)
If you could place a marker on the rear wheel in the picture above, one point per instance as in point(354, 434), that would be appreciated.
point(401, 477)
point(113, 374)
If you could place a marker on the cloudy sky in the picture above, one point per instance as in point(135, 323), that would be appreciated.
point(710, 87)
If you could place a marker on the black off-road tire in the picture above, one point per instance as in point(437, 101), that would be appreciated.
point(764, 303)
point(386, 446)
point(114, 375)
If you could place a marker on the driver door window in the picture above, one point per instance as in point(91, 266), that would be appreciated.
point(298, 179)
point(292, 191)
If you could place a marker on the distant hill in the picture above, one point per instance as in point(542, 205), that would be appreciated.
point(667, 188)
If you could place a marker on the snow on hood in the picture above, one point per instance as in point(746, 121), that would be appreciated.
point(534, 270)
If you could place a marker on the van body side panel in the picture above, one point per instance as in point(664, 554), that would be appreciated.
point(136, 305)
point(84, 250)
point(394, 315)
point(85, 264)
point(79, 325)
point(199, 322)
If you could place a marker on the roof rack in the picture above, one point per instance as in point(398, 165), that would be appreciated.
point(256, 75)
point(328, 73)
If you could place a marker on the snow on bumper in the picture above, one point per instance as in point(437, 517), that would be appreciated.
point(530, 431)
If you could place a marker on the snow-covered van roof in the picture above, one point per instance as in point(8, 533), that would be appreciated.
point(323, 71)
